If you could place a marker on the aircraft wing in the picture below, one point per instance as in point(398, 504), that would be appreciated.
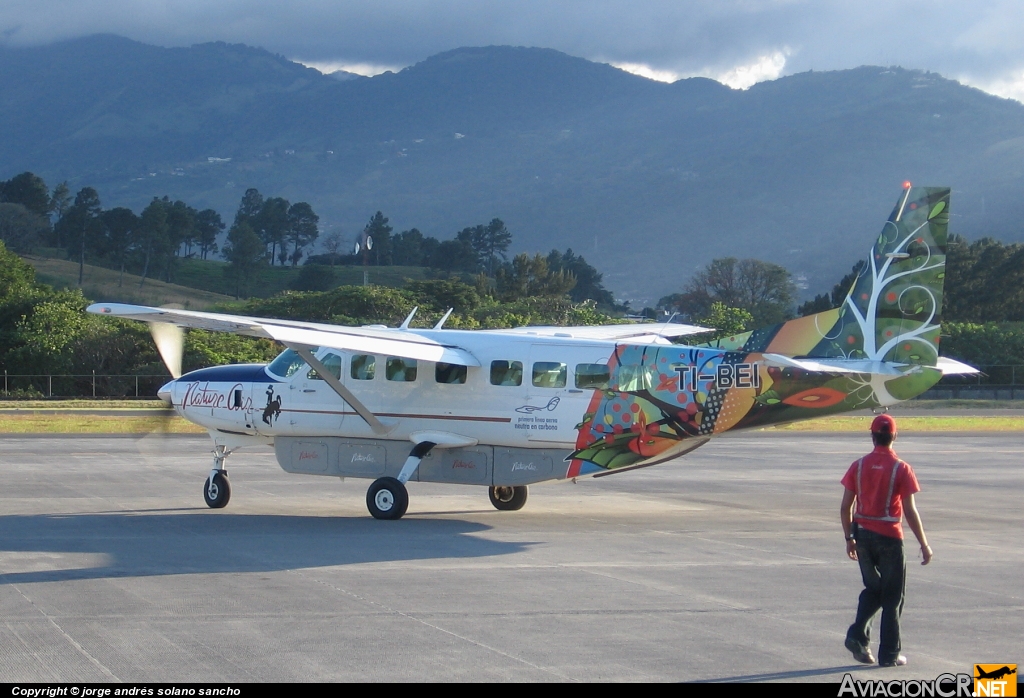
point(638, 332)
point(372, 340)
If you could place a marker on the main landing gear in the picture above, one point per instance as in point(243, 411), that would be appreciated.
point(387, 497)
point(508, 498)
point(217, 490)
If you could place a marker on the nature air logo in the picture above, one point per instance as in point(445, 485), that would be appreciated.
point(995, 680)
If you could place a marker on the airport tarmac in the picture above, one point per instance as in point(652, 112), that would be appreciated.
point(727, 564)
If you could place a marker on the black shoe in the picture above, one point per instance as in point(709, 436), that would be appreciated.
point(861, 653)
point(898, 661)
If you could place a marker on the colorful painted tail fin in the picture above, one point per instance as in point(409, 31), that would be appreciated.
point(892, 312)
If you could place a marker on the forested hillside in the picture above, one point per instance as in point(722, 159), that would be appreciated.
point(649, 181)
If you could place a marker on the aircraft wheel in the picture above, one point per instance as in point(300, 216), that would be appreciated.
point(387, 499)
point(508, 498)
point(217, 491)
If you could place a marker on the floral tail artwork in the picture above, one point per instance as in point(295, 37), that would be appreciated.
point(878, 348)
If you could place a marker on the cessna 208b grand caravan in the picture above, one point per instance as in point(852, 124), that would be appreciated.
point(508, 408)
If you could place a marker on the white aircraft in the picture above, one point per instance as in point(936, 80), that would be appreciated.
point(508, 408)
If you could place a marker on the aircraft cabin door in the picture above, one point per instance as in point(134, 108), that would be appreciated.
point(314, 408)
point(553, 407)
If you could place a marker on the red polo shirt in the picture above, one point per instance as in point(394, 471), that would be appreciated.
point(881, 481)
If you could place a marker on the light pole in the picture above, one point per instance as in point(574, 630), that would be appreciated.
point(365, 243)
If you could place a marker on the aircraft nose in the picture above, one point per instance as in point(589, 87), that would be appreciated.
point(165, 393)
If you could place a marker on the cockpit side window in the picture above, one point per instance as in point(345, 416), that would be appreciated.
point(332, 362)
point(287, 364)
point(363, 367)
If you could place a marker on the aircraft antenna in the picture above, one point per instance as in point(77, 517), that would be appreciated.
point(440, 323)
point(405, 325)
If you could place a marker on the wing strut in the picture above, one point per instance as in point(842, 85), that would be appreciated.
point(337, 386)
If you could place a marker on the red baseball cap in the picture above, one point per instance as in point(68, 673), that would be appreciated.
point(883, 424)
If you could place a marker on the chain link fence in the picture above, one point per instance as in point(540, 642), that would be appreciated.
point(82, 385)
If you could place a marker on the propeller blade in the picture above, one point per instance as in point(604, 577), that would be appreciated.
point(170, 342)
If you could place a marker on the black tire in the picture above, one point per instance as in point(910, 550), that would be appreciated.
point(508, 498)
point(387, 499)
point(218, 493)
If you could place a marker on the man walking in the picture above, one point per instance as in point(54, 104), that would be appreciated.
point(879, 489)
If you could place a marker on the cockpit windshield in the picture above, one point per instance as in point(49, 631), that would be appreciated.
point(288, 363)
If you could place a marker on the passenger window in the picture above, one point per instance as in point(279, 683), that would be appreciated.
point(332, 362)
point(592, 376)
point(630, 378)
point(549, 374)
point(449, 373)
point(402, 370)
point(363, 367)
point(506, 373)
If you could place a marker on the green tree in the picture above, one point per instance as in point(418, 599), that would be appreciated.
point(490, 242)
point(28, 190)
point(60, 202)
point(181, 220)
point(763, 289)
point(152, 234)
point(208, 225)
point(249, 208)
point(246, 254)
point(438, 295)
point(302, 229)
point(529, 276)
point(380, 231)
point(272, 226)
point(120, 233)
point(827, 301)
point(81, 224)
point(588, 279)
point(20, 228)
point(455, 255)
point(727, 321)
point(407, 248)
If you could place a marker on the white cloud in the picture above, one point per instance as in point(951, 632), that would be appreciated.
point(766, 67)
point(1010, 87)
point(646, 71)
point(366, 69)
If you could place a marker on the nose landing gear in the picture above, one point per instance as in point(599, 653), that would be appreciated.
point(217, 490)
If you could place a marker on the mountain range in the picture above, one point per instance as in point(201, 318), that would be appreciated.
point(649, 181)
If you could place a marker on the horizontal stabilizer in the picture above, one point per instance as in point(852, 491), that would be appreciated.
point(883, 368)
point(952, 367)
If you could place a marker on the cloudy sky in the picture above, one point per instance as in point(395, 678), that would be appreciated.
point(738, 42)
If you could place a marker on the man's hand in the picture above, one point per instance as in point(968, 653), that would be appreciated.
point(926, 552)
point(851, 550)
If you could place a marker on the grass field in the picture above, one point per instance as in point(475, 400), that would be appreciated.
point(209, 275)
point(99, 283)
point(92, 424)
point(199, 283)
point(20, 418)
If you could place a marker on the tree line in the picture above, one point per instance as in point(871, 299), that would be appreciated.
point(46, 331)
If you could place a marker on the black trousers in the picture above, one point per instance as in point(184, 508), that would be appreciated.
point(883, 567)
